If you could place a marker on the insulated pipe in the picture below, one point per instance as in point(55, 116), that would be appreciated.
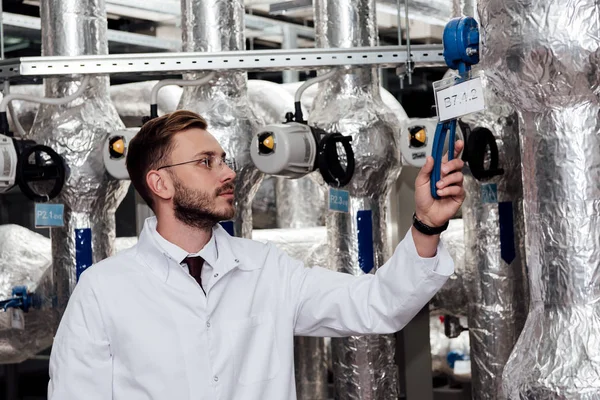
point(546, 66)
point(299, 205)
point(495, 272)
point(218, 25)
point(76, 131)
point(350, 103)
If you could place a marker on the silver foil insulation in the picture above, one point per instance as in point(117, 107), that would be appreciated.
point(290, 212)
point(77, 131)
point(546, 66)
point(26, 259)
point(300, 212)
point(452, 298)
point(350, 103)
point(495, 268)
point(218, 25)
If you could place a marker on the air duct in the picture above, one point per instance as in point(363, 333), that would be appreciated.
point(495, 248)
point(546, 66)
point(350, 103)
point(218, 25)
point(76, 131)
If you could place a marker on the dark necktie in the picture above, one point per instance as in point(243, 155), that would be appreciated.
point(195, 266)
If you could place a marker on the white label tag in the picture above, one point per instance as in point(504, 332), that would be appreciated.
point(12, 318)
point(17, 319)
point(460, 99)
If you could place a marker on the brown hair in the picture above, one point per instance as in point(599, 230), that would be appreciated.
point(151, 147)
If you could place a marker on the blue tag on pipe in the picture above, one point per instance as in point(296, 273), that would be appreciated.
point(228, 226)
point(83, 250)
point(339, 200)
point(49, 215)
point(489, 193)
point(507, 232)
point(366, 252)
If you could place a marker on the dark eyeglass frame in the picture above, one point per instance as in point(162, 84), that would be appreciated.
point(221, 161)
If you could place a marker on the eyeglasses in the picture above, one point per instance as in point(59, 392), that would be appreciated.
point(209, 162)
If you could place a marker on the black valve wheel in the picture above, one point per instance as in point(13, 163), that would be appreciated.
point(481, 143)
point(329, 163)
point(40, 170)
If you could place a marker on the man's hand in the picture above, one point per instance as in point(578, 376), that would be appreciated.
point(437, 212)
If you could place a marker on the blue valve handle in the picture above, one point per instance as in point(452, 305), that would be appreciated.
point(437, 151)
point(461, 51)
point(20, 299)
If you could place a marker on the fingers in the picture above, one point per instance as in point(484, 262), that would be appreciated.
point(452, 166)
point(452, 179)
point(458, 147)
point(457, 192)
point(424, 173)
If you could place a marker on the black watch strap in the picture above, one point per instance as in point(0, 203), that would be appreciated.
point(426, 229)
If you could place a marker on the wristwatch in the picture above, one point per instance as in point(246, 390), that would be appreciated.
point(426, 229)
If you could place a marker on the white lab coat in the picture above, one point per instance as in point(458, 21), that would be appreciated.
point(139, 327)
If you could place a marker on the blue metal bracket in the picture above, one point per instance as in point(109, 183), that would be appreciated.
point(21, 299)
point(461, 51)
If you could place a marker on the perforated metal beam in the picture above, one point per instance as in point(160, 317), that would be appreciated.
point(261, 60)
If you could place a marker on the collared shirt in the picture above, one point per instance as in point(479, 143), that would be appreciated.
point(138, 326)
point(209, 254)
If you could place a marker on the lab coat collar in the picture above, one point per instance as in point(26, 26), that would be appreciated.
point(209, 253)
point(159, 260)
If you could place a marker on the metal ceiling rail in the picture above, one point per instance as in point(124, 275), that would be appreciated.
point(255, 60)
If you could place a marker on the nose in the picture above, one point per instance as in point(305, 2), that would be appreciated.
point(227, 174)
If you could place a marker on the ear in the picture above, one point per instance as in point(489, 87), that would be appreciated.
point(160, 184)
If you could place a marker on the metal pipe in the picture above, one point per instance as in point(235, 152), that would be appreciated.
point(399, 21)
point(409, 65)
point(290, 41)
point(218, 25)
point(1, 32)
point(350, 102)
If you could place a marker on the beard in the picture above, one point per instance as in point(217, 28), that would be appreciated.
point(196, 208)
